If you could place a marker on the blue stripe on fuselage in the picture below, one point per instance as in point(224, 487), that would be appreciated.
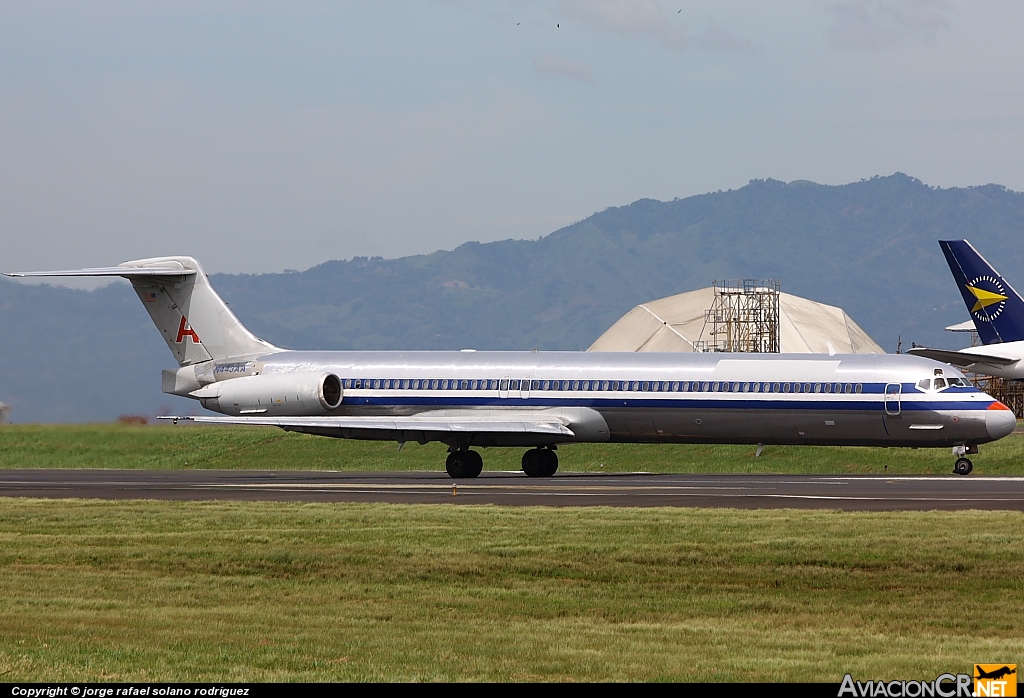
point(661, 403)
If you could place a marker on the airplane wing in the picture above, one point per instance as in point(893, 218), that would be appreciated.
point(526, 425)
point(961, 358)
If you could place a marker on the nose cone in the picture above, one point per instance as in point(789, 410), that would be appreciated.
point(999, 420)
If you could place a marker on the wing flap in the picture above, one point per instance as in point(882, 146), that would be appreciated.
point(961, 358)
point(450, 425)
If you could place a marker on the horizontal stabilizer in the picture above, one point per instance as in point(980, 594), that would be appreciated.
point(126, 272)
point(195, 322)
point(961, 358)
point(391, 424)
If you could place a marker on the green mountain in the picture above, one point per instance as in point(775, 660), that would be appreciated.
point(869, 247)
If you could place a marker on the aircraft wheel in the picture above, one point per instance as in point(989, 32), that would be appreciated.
point(540, 462)
point(963, 466)
point(475, 463)
point(550, 459)
point(533, 463)
point(462, 464)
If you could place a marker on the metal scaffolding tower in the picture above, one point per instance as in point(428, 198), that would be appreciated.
point(1008, 392)
point(744, 317)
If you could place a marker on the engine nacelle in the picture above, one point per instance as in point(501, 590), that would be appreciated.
point(286, 394)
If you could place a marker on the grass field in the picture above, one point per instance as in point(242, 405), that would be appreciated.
point(262, 591)
point(186, 591)
point(124, 446)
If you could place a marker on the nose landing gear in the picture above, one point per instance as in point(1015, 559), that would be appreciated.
point(963, 465)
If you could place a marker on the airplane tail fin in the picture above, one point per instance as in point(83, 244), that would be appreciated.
point(196, 324)
point(997, 309)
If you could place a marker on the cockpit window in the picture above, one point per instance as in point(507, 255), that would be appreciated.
point(942, 382)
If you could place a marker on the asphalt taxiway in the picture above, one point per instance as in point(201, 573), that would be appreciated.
point(845, 492)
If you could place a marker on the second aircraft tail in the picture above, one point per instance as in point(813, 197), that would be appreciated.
point(997, 309)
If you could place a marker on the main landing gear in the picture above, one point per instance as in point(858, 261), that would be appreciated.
point(537, 462)
point(963, 465)
point(540, 462)
point(464, 463)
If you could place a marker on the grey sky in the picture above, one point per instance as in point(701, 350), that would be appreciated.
point(264, 136)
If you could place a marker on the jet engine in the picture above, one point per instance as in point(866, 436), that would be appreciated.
point(291, 394)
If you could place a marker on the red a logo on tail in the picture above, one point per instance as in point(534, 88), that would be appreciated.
point(185, 331)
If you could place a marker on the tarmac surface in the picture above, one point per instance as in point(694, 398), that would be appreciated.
point(845, 492)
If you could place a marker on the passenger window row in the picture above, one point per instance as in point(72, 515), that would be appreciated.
point(601, 386)
point(424, 384)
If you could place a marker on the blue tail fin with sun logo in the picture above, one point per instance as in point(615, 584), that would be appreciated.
point(997, 310)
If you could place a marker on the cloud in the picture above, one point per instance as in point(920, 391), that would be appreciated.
point(882, 24)
point(552, 65)
point(715, 38)
point(632, 19)
point(645, 20)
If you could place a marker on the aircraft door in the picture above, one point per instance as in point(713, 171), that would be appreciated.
point(892, 399)
point(503, 388)
point(524, 390)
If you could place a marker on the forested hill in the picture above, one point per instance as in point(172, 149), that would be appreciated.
point(869, 247)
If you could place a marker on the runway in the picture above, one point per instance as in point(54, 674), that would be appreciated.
point(846, 492)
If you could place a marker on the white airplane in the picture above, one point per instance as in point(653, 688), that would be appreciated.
point(996, 310)
point(539, 400)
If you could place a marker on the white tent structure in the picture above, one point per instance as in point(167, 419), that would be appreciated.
point(677, 323)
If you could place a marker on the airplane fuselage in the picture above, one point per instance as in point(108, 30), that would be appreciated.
point(867, 400)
